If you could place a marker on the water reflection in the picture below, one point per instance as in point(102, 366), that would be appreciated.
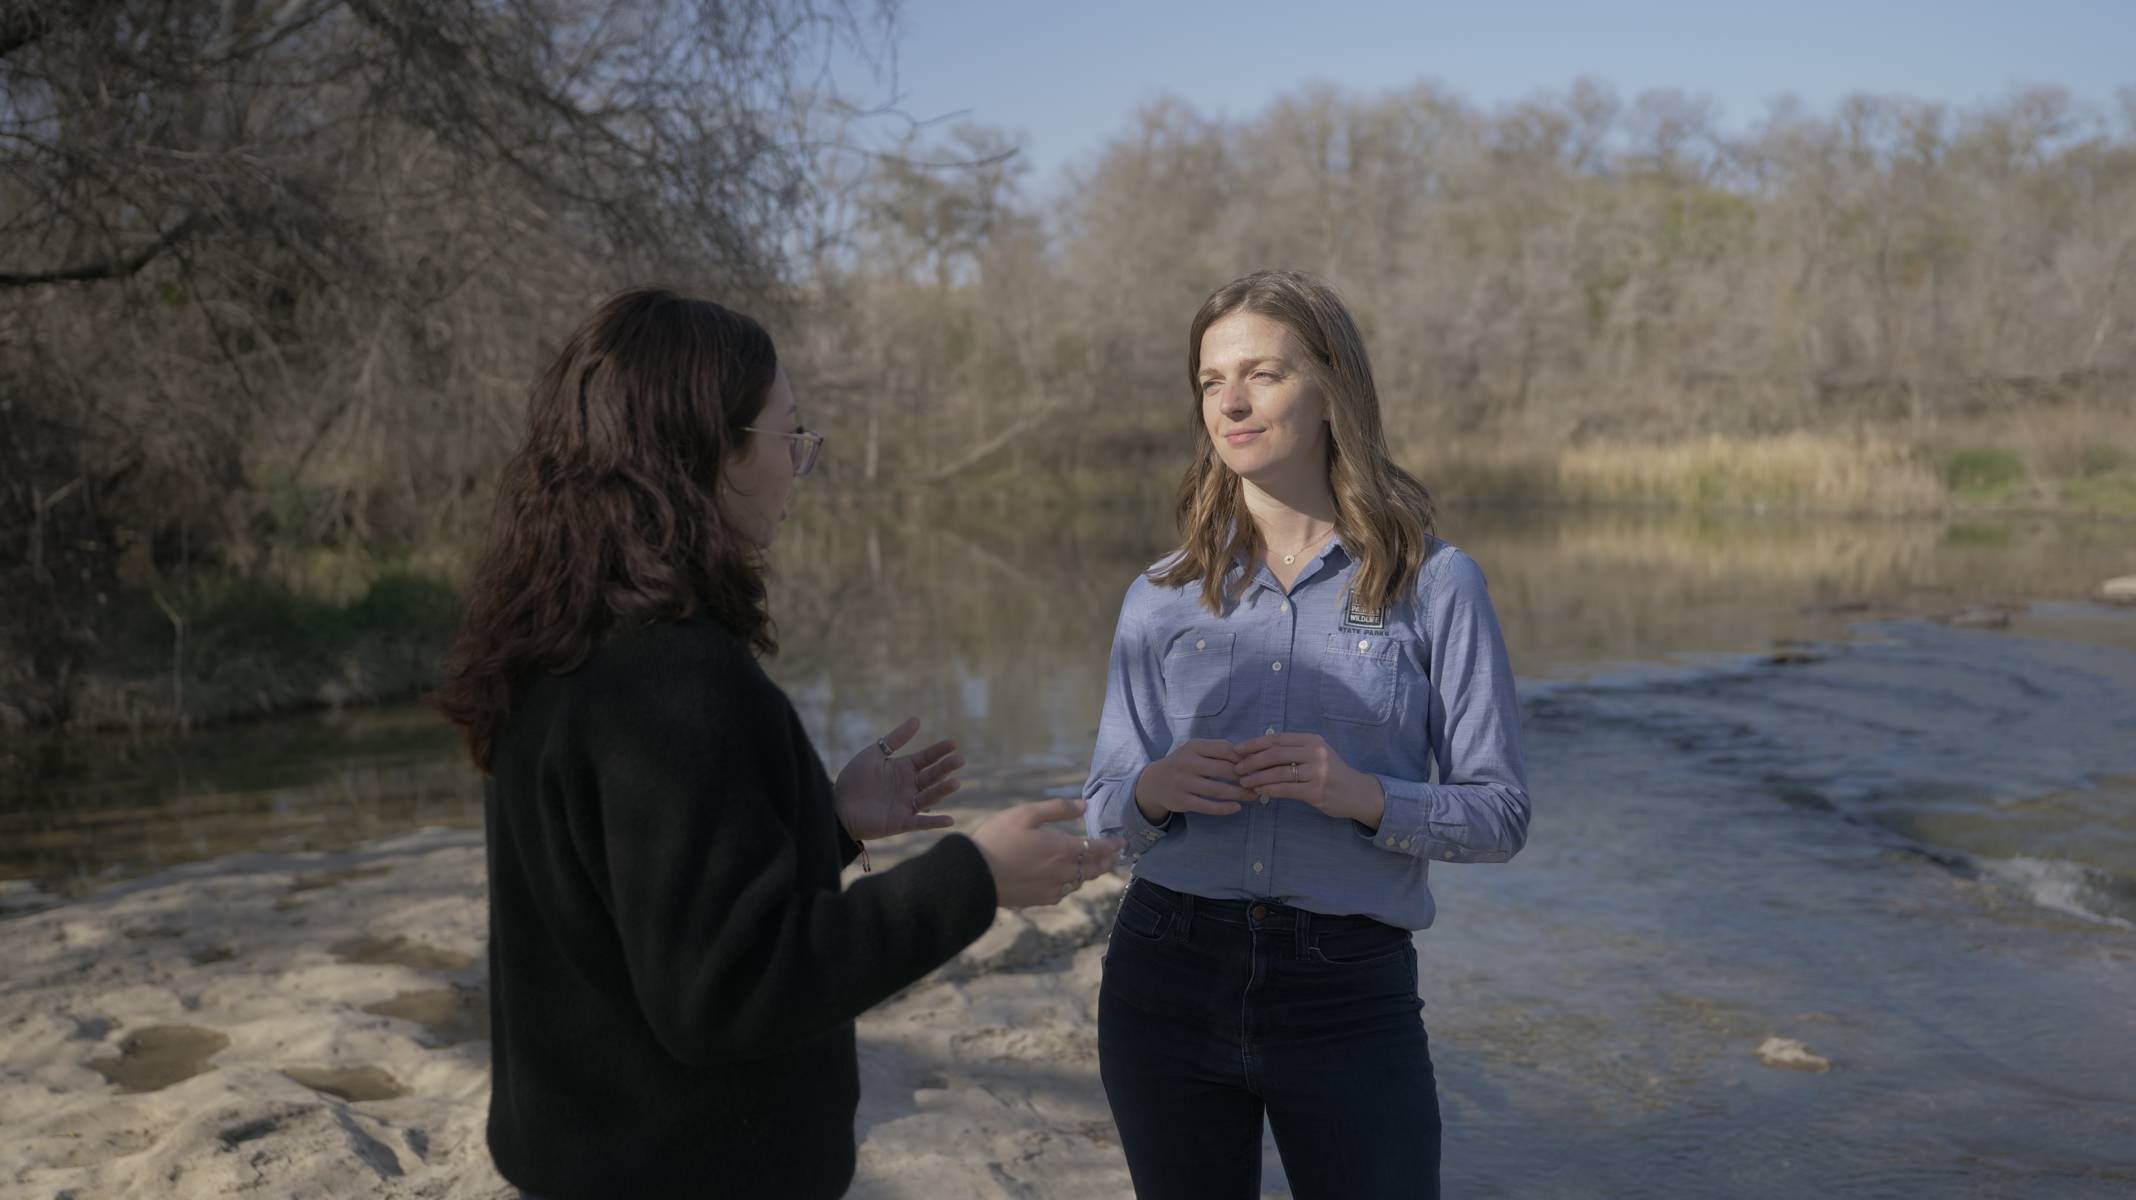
point(993, 625)
point(79, 811)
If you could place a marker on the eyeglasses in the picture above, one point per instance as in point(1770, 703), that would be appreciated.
point(807, 445)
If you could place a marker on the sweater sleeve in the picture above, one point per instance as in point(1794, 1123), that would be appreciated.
point(732, 953)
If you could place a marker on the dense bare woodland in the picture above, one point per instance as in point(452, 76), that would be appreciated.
point(1573, 271)
point(274, 276)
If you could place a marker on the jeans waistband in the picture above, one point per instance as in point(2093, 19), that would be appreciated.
point(1262, 914)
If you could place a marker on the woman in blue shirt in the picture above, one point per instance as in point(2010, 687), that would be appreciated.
point(1281, 689)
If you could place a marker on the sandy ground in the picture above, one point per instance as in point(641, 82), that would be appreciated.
point(315, 1026)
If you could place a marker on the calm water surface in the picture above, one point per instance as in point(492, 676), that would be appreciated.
point(1871, 786)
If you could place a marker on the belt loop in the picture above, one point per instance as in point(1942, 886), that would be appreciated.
point(1186, 915)
point(1304, 926)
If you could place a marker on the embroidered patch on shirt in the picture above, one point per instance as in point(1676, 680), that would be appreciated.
point(1363, 615)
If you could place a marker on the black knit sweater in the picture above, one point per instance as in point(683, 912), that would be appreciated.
point(674, 970)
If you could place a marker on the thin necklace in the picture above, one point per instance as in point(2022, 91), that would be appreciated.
point(1292, 557)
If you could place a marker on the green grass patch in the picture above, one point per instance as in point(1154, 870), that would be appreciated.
point(2104, 459)
point(2106, 492)
point(1983, 474)
point(402, 604)
point(1980, 535)
point(231, 617)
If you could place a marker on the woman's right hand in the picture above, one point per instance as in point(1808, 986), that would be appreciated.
point(1033, 865)
point(1200, 776)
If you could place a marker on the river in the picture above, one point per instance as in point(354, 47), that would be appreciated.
point(1866, 785)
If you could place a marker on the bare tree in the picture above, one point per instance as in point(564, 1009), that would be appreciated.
point(1574, 266)
point(273, 272)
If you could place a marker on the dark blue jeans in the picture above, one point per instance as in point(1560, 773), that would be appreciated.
point(1214, 1012)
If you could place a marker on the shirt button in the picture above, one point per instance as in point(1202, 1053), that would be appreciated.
point(1276, 667)
point(1405, 843)
point(1270, 730)
point(1448, 856)
point(1264, 799)
point(1283, 607)
point(1388, 842)
point(1364, 645)
point(1257, 868)
point(1202, 644)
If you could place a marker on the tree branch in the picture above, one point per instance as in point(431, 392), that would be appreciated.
point(20, 24)
point(112, 269)
point(979, 453)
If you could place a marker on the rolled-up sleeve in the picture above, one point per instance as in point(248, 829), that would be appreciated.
point(1477, 810)
point(1132, 733)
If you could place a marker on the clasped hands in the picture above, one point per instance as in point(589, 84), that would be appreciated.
point(1214, 776)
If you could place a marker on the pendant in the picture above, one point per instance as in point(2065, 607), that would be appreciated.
point(1288, 559)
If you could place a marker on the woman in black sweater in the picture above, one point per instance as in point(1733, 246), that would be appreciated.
point(674, 967)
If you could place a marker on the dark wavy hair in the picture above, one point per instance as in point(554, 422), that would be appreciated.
point(608, 517)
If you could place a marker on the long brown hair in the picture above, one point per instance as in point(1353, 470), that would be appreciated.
point(1382, 513)
point(608, 517)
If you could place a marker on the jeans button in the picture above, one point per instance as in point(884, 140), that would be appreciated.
point(1260, 912)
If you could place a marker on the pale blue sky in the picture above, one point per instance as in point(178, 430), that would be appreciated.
point(1067, 74)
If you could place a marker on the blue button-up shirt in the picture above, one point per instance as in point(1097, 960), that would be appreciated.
point(1395, 693)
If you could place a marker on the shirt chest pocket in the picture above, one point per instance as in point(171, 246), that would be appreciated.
point(1357, 677)
point(1197, 675)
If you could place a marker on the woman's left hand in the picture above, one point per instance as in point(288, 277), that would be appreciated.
point(879, 794)
point(1302, 766)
